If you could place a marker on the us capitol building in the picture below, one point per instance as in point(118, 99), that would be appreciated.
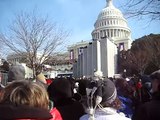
point(110, 35)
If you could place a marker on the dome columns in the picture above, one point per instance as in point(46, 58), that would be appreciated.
point(111, 33)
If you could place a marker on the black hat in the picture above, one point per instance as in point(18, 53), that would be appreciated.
point(60, 88)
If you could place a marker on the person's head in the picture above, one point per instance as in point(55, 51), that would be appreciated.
point(16, 72)
point(60, 89)
point(155, 80)
point(82, 84)
point(25, 93)
point(121, 83)
point(109, 95)
point(123, 87)
point(40, 77)
point(106, 94)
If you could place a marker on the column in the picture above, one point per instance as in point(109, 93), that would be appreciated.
point(109, 33)
point(98, 73)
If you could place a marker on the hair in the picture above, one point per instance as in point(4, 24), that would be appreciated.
point(25, 93)
point(121, 83)
point(116, 104)
point(123, 87)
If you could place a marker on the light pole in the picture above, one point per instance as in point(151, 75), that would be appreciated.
point(98, 74)
point(124, 73)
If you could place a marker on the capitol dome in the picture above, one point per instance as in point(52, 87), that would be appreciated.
point(110, 12)
point(111, 24)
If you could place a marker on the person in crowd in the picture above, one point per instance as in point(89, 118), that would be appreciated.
point(81, 86)
point(103, 102)
point(142, 93)
point(61, 93)
point(41, 79)
point(150, 110)
point(16, 72)
point(145, 90)
point(1, 89)
point(26, 100)
point(49, 80)
point(125, 94)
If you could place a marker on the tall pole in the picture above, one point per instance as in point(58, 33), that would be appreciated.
point(98, 56)
point(98, 74)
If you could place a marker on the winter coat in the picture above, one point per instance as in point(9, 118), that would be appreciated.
point(9, 111)
point(69, 109)
point(127, 107)
point(149, 110)
point(55, 114)
point(106, 114)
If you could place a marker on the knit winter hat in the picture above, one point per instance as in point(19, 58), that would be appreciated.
point(59, 89)
point(16, 72)
point(109, 92)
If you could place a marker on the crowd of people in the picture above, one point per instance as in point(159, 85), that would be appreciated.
point(136, 98)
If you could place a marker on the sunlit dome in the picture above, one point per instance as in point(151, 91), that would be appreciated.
point(110, 12)
point(111, 24)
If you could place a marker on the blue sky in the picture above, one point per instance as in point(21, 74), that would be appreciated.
point(77, 16)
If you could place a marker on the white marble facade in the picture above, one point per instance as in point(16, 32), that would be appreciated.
point(112, 33)
point(87, 62)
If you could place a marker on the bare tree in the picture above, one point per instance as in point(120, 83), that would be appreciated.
point(139, 60)
point(135, 61)
point(144, 52)
point(140, 55)
point(141, 8)
point(153, 45)
point(35, 37)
